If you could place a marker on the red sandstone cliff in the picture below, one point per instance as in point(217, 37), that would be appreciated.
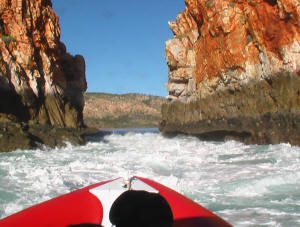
point(39, 81)
point(233, 64)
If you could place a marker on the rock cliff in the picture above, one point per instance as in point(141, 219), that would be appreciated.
point(40, 82)
point(234, 71)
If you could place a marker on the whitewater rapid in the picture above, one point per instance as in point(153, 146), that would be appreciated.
point(247, 185)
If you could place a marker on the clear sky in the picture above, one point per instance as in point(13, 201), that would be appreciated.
point(122, 41)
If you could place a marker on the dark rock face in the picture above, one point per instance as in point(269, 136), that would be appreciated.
point(40, 82)
point(15, 136)
point(234, 71)
point(258, 112)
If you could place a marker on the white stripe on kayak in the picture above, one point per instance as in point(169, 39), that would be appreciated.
point(109, 192)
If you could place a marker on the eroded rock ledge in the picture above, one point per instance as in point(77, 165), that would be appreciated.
point(234, 71)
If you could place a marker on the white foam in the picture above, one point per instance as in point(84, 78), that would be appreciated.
point(245, 184)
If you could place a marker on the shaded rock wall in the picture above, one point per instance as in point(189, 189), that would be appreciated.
point(40, 82)
point(234, 69)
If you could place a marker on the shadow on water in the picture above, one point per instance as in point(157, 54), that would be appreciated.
point(98, 136)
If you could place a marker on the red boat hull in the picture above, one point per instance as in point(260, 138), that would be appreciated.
point(82, 206)
point(186, 212)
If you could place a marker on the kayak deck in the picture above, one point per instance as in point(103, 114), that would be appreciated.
point(92, 205)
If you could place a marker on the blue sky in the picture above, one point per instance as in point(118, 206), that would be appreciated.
point(122, 41)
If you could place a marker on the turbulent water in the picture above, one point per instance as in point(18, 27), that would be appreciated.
point(246, 185)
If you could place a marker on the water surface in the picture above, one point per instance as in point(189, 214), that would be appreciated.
point(248, 185)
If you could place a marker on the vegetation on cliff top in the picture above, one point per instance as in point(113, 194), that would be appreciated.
point(122, 111)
